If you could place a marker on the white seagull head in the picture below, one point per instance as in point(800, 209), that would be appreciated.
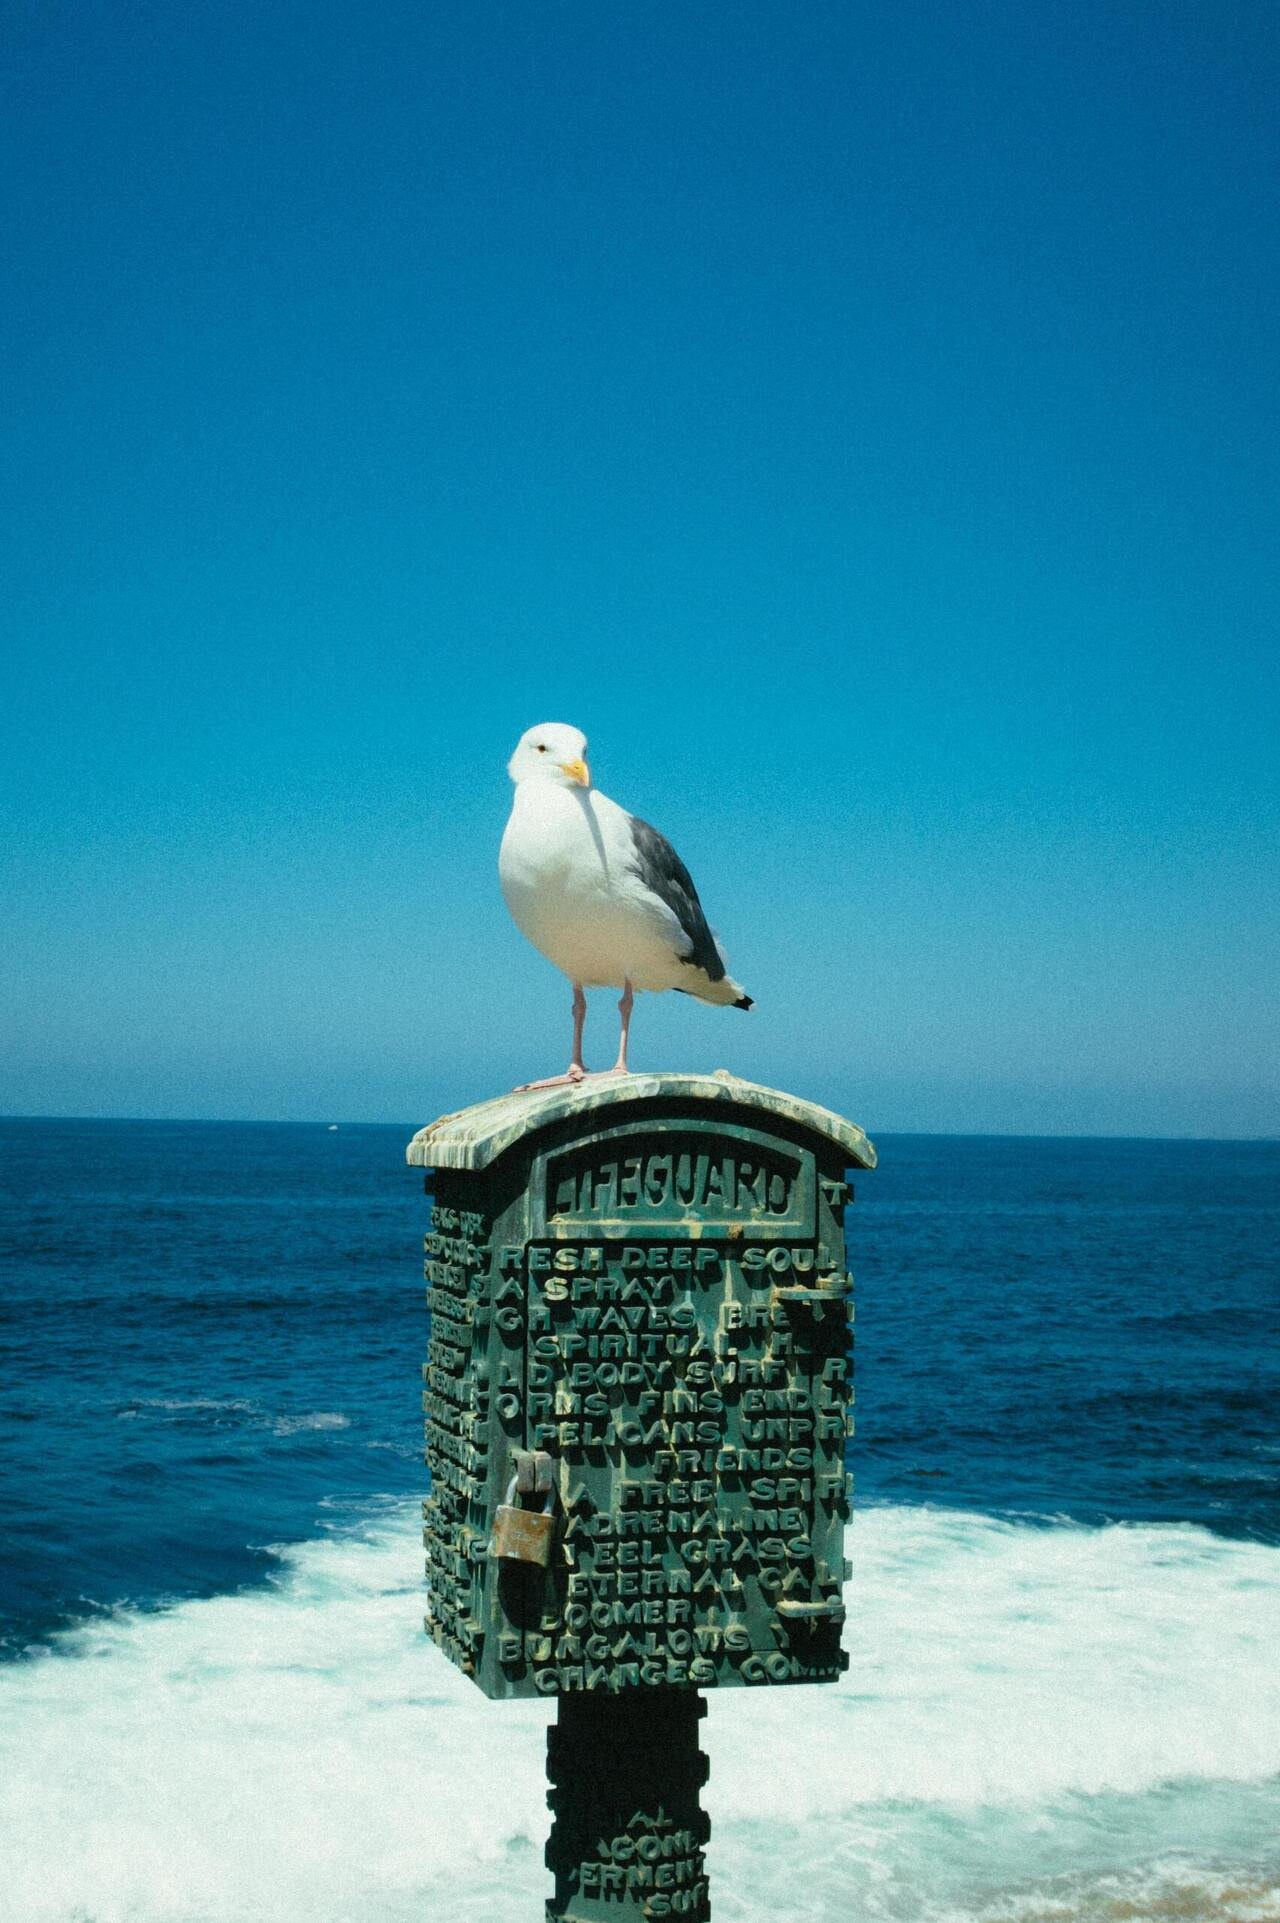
point(553, 751)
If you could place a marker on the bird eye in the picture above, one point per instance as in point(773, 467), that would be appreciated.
point(542, 747)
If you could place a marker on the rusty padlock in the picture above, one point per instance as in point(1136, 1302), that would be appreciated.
point(523, 1535)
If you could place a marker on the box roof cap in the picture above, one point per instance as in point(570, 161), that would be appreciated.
point(475, 1137)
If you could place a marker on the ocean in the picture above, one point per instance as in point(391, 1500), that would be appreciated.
point(217, 1703)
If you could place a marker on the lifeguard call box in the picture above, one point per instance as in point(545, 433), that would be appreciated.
point(637, 1388)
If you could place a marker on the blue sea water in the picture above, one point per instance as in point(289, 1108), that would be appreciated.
point(1064, 1621)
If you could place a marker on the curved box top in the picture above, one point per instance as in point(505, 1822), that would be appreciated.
point(475, 1137)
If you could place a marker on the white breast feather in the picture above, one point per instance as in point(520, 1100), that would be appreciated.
point(567, 875)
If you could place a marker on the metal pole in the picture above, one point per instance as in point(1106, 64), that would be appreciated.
point(628, 1832)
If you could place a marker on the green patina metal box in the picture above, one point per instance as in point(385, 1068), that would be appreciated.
point(644, 1278)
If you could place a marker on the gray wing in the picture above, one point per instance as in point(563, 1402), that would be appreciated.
point(663, 873)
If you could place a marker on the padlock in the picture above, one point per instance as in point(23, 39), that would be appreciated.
point(523, 1535)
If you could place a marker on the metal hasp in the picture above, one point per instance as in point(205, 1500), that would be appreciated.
point(644, 1279)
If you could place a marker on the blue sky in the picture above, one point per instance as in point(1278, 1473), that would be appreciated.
point(861, 420)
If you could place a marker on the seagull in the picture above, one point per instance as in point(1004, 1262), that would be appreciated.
point(599, 892)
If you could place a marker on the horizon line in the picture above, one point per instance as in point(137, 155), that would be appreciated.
point(945, 1134)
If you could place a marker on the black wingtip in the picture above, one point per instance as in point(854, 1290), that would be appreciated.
point(744, 1001)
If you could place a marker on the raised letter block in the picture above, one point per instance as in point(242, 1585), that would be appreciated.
point(644, 1279)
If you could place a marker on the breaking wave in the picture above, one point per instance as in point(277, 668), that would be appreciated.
point(1038, 1724)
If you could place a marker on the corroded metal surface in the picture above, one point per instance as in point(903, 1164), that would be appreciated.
point(646, 1280)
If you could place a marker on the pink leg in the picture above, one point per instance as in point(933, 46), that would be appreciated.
point(575, 1071)
point(624, 1009)
point(576, 1067)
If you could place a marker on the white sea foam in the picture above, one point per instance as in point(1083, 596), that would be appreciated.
point(317, 1419)
point(186, 1406)
point(231, 1411)
point(1037, 1724)
point(994, 1661)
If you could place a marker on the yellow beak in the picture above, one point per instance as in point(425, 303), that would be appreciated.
point(578, 769)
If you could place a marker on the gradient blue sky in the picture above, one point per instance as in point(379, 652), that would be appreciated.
point(860, 419)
